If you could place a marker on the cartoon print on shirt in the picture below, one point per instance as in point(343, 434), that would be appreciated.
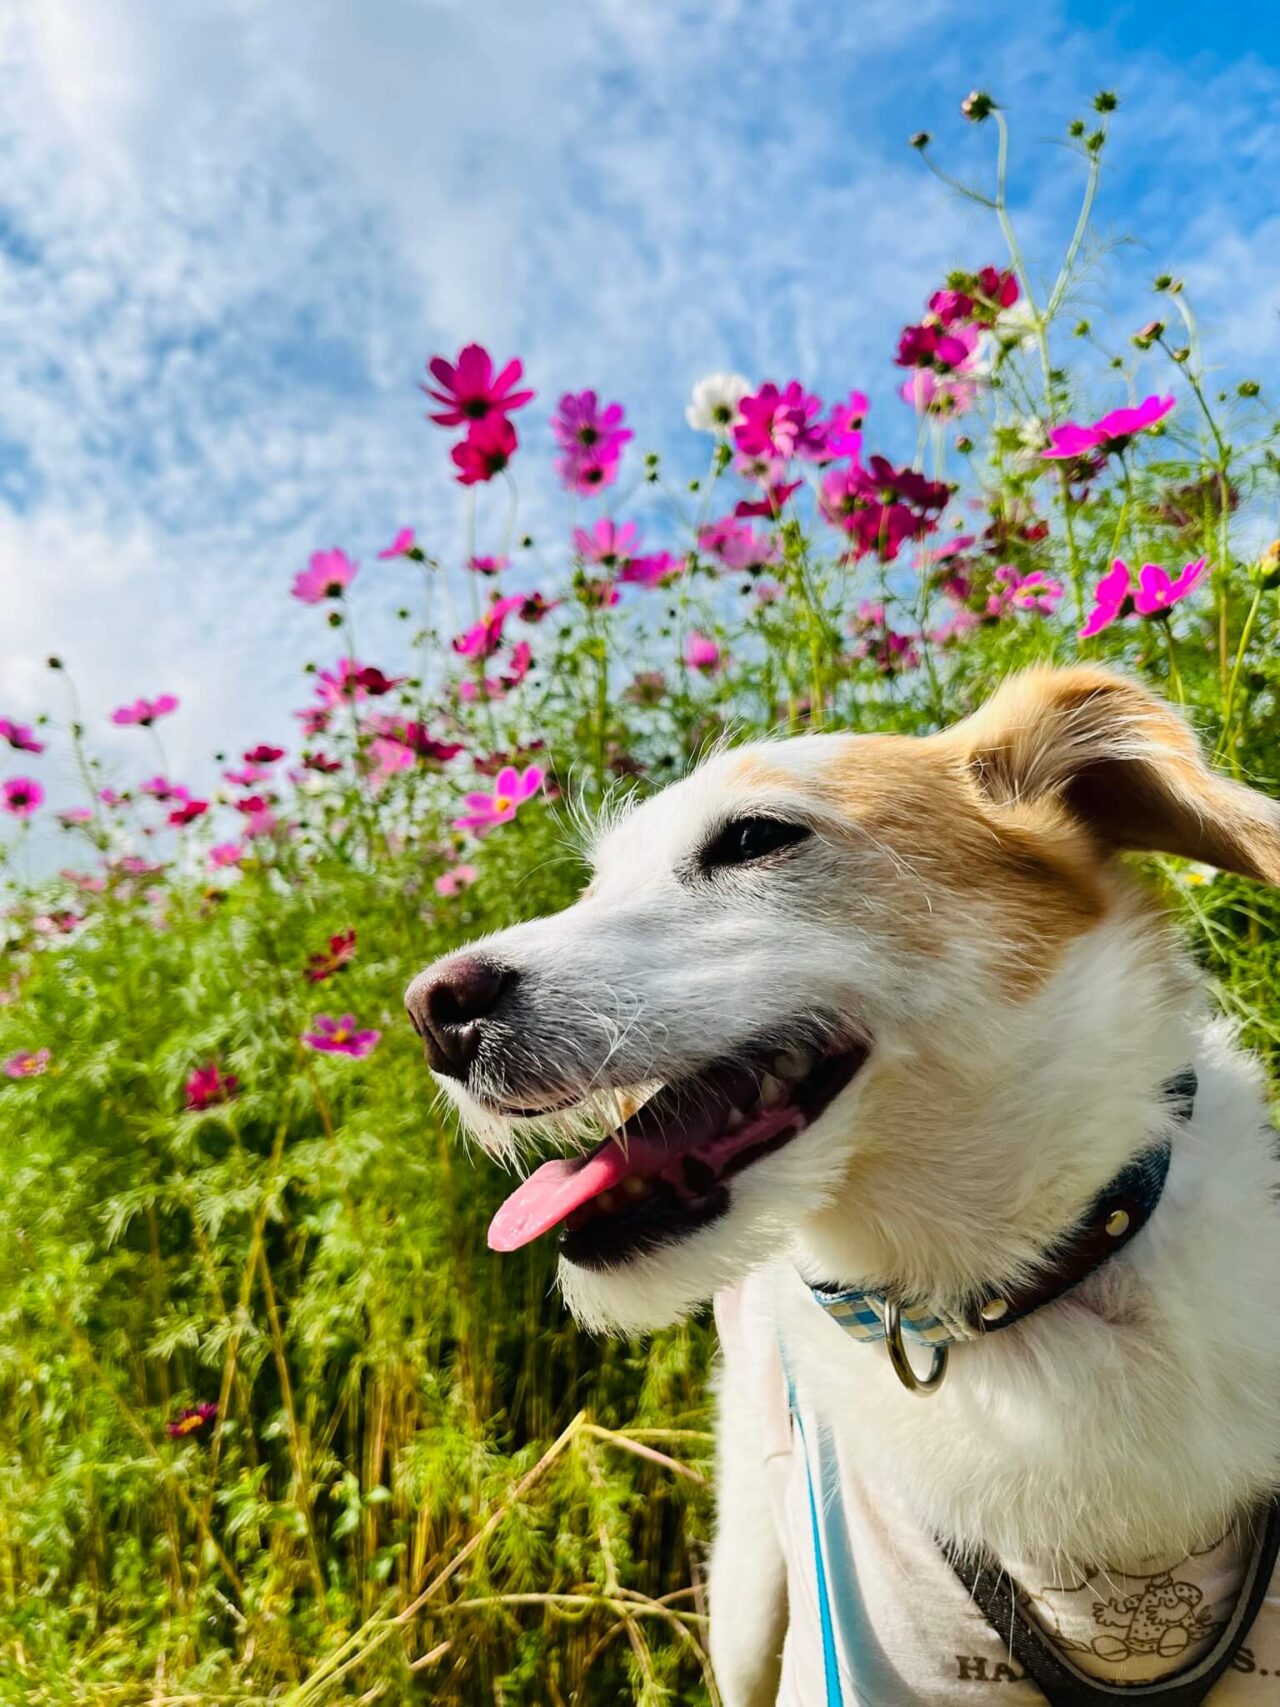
point(1164, 1618)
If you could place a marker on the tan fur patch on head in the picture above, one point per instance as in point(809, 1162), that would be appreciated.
point(1020, 884)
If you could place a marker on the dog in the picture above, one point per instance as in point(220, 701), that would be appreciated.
point(891, 1045)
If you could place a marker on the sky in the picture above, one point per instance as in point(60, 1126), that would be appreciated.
point(232, 231)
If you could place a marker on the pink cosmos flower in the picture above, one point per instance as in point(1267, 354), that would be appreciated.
point(652, 571)
point(591, 437)
point(329, 575)
point(227, 853)
point(321, 763)
point(519, 663)
point(21, 796)
point(843, 434)
point(192, 1420)
point(470, 390)
point(484, 639)
point(20, 736)
point(1014, 591)
point(1156, 593)
point(487, 565)
point(246, 776)
point(608, 543)
point(325, 962)
point(931, 346)
point(209, 1085)
point(161, 789)
point(314, 719)
point(771, 504)
point(58, 923)
point(1111, 433)
point(76, 815)
point(340, 1037)
point(1111, 598)
point(404, 542)
point(486, 451)
point(27, 1064)
point(455, 880)
point(109, 797)
point(881, 507)
point(535, 607)
point(146, 711)
point(702, 653)
point(188, 812)
point(511, 790)
point(781, 423)
point(737, 545)
point(931, 393)
point(350, 681)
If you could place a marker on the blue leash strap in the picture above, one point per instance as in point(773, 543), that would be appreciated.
point(830, 1664)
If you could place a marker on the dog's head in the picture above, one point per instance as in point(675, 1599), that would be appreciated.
point(817, 990)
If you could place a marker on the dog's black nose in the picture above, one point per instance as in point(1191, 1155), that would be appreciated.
point(447, 1003)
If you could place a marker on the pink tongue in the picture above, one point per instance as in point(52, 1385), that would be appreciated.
point(554, 1191)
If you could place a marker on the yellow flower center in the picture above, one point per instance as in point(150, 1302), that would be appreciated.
point(341, 1035)
point(503, 802)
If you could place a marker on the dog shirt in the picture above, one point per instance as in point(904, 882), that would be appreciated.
point(904, 1631)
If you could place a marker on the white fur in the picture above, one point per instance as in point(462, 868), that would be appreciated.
point(1134, 1416)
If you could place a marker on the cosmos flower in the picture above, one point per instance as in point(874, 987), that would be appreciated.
point(782, 423)
point(487, 565)
point(192, 1420)
point(340, 1037)
point(21, 796)
point(188, 812)
point(608, 543)
point(591, 437)
point(714, 407)
point(328, 576)
point(485, 452)
point(510, 791)
point(146, 711)
point(470, 390)
point(27, 1064)
point(209, 1085)
point(20, 736)
point(401, 546)
point(652, 571)
point(1110, 433)
point(702, 653)
point(455, 880)
point(224, 854)
point(325, 962)
point(484, 639)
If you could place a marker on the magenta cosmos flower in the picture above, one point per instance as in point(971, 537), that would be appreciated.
point(226, 853)
point(484, 639)
point(487, 565)
point(455, 880)
point(702, 653)
point(608, 543)
point(1110, 433)
point(146, 711)
point(20, 736)
point(404, 543)
point(209, 1085)
point(21, 796)
point(737, 545)
point(326, 961)
point(781, 423)
point(27, 1064)
point(485, 452)
point(470, 390)
point(592, 438)
point(1035, 592)
point(192, 1420)
point(510, 791)
point(652, 571)
point(340, 1037)
point(1155, 593)
point(328, 576)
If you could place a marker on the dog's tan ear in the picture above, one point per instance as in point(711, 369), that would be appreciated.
point(1121, 761)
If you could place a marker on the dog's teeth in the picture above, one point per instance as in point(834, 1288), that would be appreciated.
point(735, 1119)
point(634, 1186)
point(772, 1091)
point(793, 1064)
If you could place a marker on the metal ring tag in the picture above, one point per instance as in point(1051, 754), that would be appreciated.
point(901, 1362)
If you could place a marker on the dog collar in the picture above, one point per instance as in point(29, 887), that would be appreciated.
point(1115, 1216)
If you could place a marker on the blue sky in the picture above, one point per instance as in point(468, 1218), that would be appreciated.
point(230, 234)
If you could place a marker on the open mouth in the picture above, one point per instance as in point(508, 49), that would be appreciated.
point(665, 1172)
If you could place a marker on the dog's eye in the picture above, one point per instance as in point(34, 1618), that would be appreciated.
point(747, 839)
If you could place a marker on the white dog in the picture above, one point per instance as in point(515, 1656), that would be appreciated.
point(906, 1055)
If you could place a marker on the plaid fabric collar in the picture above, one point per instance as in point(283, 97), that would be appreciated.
point(1119, 1212)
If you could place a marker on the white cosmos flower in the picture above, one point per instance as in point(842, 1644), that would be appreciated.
point(714, 408)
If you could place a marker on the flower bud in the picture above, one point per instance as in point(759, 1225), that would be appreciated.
point(1181, 354)
point(1269, 565)
point(921, 139)
point(1106, 101)
point(1076, 127)
point(1162, 282)
point(977, 106)
point(1248, 388)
